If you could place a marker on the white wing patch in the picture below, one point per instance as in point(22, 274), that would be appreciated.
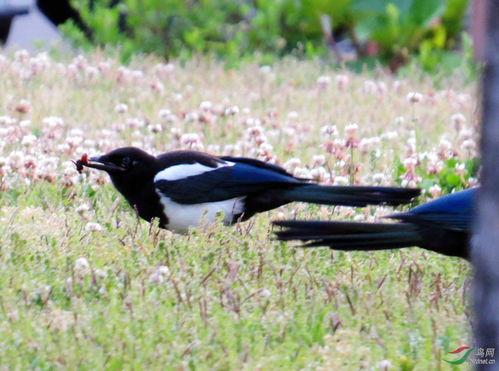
point(183, 171)
point(181, 217)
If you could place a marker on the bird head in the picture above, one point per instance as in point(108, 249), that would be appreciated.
point(128, 167)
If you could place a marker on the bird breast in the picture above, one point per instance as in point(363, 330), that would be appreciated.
point(181, 217)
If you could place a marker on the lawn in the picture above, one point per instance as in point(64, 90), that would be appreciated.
point(86, 285)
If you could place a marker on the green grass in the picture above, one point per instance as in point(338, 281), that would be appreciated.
point(233, 298)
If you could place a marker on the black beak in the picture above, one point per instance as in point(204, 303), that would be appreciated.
point(98, 163)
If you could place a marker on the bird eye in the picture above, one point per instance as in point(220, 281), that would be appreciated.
point(126, 162)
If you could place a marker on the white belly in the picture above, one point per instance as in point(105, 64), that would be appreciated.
point(181, 217)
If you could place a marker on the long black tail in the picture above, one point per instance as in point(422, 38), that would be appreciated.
point(356, 196)
point(350, 236)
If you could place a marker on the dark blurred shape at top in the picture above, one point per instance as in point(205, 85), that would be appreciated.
point(58, 12)
point(7, 14)
point(61, 11)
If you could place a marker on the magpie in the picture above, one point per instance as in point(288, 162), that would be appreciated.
point(442, 225)
point(180, 188)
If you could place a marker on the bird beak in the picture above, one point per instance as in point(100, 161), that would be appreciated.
point(98, 163)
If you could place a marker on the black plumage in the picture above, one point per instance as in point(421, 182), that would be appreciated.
point(442, 225)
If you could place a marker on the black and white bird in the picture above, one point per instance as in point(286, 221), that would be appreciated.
point(183, 188)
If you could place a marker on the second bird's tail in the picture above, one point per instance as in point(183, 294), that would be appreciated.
point(350, 235)
point(356, 196)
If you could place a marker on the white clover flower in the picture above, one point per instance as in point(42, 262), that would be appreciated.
point(323, 81)
point(104, 66)
point(329, 130)
point(266, 147)
point(351, 130)
point(137, 75)
point(164, 68)
point(463, 98)
point(319, 174)
point(435, 190)
point(214, 148)
point(389, 135)
point(458, 119)
point(157, 128)
point(190, 139)
point(93, 227)
point(342, 81)
point(68, 169)
point(265, 70)
point(74, 141)
point(399, 120)
point(159, 275)
point(91, 72)
point(468, 144)
point(301, 172)
point(135, 123)
point(16, 159)
point(80, 61)
point(410, 163)
point(465, 134)
point(53, 122)
point(76, 132)
point(71, 70)
point(265, 293)
point(206, 105)
point(232, 149)
point(28, 140)
point(100, 273)
point(398, 84)
point(472, 182)
point(379, 178)
point(381, 87)
point(81, 266)
point(384, 364)
point(25, 124)
point(414, 97)
point(7, 120)
point(192, 117)
point(157, 86)
point(21, 55)
point(164, 113)
point(231, 111)
point(82, 208)
point(359, 217)
point(318, 160)
point(341, 180)
point(435, 165)
point(365, 145)
point(445, 150)
point(121, 108)
point(370, 87)
point(460, 168)
point(124, 75)
point(254, 131)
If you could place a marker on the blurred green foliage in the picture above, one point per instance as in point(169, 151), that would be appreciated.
point(237, 30)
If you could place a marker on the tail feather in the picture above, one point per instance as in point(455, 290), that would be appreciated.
point(350, 236)
point(356, 196)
